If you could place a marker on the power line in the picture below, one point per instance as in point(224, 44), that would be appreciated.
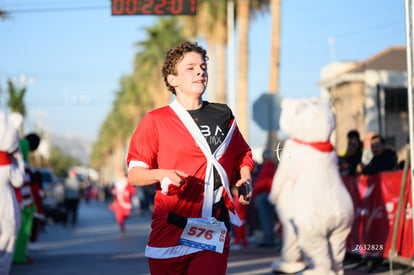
point(57, 9)
point(363, 31)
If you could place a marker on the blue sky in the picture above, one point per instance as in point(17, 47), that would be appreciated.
point(73, 60)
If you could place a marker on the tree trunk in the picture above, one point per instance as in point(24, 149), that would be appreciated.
point(275, 46)
point(243, 14)
point(221, 31)
point(212, 80)
point(274, 62)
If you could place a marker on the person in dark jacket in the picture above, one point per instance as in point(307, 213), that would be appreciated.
point(72, 197)
point(349, 162)
point(266, 212)
point(384, 159)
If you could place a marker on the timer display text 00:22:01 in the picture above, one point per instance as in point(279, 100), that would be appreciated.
point(153, 7)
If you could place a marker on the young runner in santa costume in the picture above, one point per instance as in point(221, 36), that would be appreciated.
point(189, 150)
point(11, 175)
point(122, 193)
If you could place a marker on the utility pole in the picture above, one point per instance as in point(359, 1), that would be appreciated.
point(409, 24)
point(331, 42)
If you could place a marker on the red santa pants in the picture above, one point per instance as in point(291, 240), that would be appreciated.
point(200, 263)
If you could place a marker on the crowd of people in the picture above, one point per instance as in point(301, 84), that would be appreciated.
point(369, 157)
point(259, 221)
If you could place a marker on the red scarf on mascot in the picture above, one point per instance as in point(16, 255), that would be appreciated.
point(323, 146)
point(4, 158)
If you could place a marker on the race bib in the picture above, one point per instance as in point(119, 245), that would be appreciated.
point(204, 233)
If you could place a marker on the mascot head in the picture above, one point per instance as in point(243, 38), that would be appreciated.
point(9, 129)
point(308, 120)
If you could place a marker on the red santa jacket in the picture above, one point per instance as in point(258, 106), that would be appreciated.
point(168, 138)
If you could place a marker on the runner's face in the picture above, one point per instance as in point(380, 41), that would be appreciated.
point(191, 78)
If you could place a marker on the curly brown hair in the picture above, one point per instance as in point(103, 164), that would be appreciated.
point(175, 55)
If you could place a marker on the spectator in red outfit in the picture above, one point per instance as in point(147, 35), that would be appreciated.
point(240, 232)
point(122, 194)
point(265, 210)
point(251, 209)
point(39, 215)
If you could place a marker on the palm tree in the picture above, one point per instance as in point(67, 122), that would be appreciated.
point(108, 152)
point(211, 24)
point(139, 92)
point(243, 18)
point(275, 46)
point(244, 9)
point(16, 98)
point(220, 31)
point(161, 37)
point(3, 14)
point(274, 62)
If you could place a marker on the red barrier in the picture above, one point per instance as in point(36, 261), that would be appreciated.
point(376, 203)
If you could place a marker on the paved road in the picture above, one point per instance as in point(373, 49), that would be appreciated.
point(96, 246)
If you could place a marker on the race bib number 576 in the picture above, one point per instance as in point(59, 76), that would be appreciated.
point(204, 233)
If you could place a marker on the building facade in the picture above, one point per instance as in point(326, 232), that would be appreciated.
point(370, 96)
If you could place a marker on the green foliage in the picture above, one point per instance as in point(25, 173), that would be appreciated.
point(61, 162)
point(4, 14)
point(16, 98)
point(137, 92)
point(143, 89)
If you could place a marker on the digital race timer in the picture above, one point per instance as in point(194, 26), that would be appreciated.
point(153, 7)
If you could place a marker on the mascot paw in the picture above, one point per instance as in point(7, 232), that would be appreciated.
point(317, 272)
point(280, 272)
point(280, 267)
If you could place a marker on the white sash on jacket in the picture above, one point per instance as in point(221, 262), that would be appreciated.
point(212, 161)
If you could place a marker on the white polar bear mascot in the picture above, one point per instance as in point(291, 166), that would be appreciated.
point(11, 175)
point(314, 207)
